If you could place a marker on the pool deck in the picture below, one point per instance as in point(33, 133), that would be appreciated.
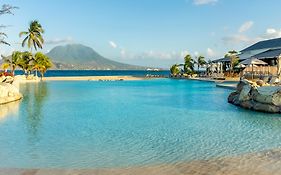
point(221, 83)
point(262, 163)
point(227, 86)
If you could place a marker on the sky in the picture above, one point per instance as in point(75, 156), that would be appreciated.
point(155, 33)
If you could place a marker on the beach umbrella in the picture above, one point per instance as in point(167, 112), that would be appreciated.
point(253, 62)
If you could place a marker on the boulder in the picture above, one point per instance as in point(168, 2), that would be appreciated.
point(247, 104)
point(250, 95)
point(276, 98)
point(234, 98)
point(266, 108)
point(8, 93)
point(268, 95)
point(241, 84)
point(245, 93)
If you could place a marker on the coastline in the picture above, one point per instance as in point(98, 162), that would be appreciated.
point(97, 78)
point(260, 163)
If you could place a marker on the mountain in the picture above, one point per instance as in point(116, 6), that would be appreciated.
point(77, 56)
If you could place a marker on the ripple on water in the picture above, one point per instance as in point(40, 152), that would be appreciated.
point(125, 124)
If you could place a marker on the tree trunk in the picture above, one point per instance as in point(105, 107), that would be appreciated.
point(42, 75)
point(13, 72)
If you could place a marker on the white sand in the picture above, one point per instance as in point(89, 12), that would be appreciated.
point(95, 78)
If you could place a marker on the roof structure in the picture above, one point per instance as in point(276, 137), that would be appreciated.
point(253, 61)
point(221, 60)
point(266, 49)
point(266, 44)
point(269, 54)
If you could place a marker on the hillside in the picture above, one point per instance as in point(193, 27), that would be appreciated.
point(77, 56)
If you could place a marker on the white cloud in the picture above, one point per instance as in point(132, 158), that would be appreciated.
point(59, 40)
point(235, 39)
point(239, 37)
point(211, 53)
point(154, 55)
point(272, 33)
point(246, 26)
point(113, 44)
point(204, 2)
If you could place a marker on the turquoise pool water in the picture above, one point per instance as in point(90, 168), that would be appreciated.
point(129, 123)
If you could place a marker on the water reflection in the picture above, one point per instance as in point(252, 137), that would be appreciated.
point(10, 109)
point(34, 98)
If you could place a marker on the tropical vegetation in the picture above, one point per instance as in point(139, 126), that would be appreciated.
point(234, 60)
point(200, 62)
point(33, 36)
point(41, 63)
point(26, 60)
point(174, 70)
point(188, 64)
point(5, 9)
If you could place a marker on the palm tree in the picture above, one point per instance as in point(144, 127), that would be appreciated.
point(41, 63)
point(174, 70)
point(13, 61)
point(24, 61)
point(33, 36)
point(234, 60)
point(200, 62)
point(188, 64)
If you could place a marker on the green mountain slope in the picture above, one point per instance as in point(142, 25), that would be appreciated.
point(77, 56)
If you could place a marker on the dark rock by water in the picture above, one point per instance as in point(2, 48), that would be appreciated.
point(251, 95)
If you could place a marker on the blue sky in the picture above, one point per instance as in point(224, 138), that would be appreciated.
point(147, 32)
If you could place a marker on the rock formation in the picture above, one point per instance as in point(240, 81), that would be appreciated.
point(9, 93)
point(257, 96)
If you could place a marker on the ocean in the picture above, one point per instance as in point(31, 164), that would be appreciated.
point(69, 73)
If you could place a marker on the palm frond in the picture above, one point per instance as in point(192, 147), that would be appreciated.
point(23, 33)
point(4, 42)
point(24, 41)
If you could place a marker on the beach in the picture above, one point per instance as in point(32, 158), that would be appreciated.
point(95, 78)
point(261, 163)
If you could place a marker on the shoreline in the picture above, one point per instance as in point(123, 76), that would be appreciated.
point(259, 163)
point(97, 78)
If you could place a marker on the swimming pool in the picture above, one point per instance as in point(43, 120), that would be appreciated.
point(83, 124)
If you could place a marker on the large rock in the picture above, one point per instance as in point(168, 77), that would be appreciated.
point(250, 96)
point(266, 108)
point(247, 104)
point(245, 93)
point(241, 84)
point(8, 93)
point(268, 95)
point(234, 98)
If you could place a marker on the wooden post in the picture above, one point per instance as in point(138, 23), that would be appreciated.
point(252, 71)
point(278, 66)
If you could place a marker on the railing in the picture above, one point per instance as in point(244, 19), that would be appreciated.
point(261, 70)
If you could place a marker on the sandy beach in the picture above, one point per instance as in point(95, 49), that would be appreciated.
point(95, 78)
point(262, 163)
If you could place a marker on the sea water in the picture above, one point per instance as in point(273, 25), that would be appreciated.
point(86, 124)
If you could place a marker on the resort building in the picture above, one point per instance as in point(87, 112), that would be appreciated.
point(268, 51)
